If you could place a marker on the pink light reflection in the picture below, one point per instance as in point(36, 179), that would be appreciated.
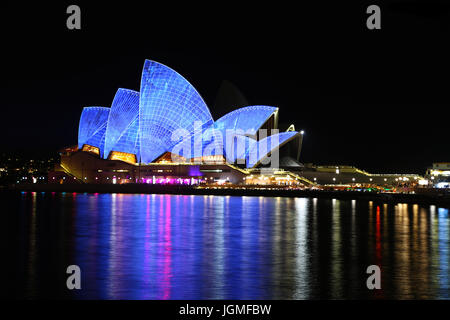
point(165, 249)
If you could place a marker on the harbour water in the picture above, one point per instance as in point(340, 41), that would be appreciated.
point(140, 246)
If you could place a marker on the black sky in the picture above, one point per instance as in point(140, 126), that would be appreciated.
point(374, 99)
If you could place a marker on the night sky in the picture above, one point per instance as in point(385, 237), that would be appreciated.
point(376, 99)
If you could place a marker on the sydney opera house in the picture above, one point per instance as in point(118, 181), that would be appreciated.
point(165, 134)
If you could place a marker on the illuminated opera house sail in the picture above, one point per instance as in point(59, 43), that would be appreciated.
point(168, 122)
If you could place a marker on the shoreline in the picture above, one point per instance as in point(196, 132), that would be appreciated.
point(429, 198)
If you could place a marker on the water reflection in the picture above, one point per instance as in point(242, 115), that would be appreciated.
point(444, 257)
point(213, 247)
point(302, 255)
point(32, 254)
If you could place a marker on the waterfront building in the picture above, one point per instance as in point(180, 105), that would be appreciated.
point(439, 175)
point(351, 176)
point(165, 134)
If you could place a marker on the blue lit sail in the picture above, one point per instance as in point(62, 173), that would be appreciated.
point(129, 140)
point(122, 122)
point(98, 139)
point(237, 124)
point(200, 143)
point(249, 119)
point(261, 149)
point(92, 127)
point(167, 102)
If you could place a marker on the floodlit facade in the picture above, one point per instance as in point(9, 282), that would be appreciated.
point(168, 123)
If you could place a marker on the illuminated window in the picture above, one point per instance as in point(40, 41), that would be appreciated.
point(123, 156)
point(169, 157)
point(91, 149)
